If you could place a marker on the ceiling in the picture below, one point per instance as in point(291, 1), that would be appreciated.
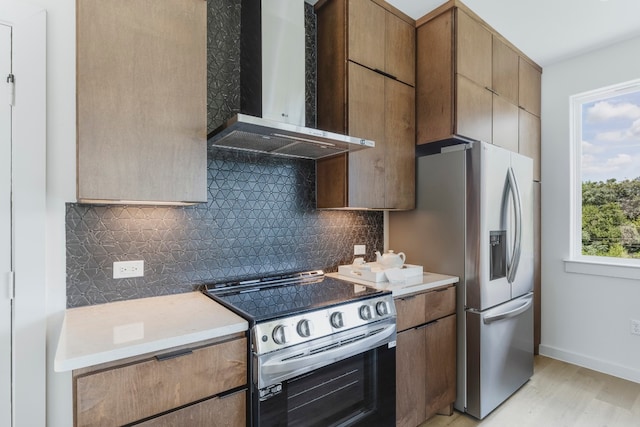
point(549, 31)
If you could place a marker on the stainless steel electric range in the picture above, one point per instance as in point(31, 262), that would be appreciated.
point(322, 350)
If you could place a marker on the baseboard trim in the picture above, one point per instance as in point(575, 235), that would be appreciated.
point(599, 365)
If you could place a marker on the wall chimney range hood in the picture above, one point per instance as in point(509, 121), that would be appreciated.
point(272, 88)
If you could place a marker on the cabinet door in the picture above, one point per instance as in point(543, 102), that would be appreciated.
point(366, 119)
point(505, 71)
point(366, 22)
point(411, 378)
point(474, 46)
point(530, 86)
point(226, 411)
point(529, 139)
point(435, 79)
point(440, 357)
point(400, 147)
point(400, 49)
point(505, 123)
point(141, 100)
point(473, 110)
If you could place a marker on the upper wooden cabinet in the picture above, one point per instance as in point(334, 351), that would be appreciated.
point(358, 97)
point(530, 87)
point(141, 101)
point(381, 40)
point(471, 82)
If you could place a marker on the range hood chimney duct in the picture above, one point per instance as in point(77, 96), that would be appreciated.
point(272, 88)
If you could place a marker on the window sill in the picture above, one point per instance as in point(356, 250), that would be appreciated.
point(601, 267)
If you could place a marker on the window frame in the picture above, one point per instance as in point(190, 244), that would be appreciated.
point(577, 262)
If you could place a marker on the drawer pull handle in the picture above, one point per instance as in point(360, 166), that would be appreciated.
point(173, 355)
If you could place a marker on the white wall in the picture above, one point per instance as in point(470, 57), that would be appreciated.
point(40, 232)
point(585, 318)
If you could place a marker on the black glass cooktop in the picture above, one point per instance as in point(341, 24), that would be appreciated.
point(260, 301)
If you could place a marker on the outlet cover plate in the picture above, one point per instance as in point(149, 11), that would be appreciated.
point(635, 327)
point(359, 249)
point(125, 269)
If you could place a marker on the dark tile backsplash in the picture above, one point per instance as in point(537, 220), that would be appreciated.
point(259, 219)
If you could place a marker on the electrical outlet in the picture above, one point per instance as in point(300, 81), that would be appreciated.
point(635, 327)
point(124, 269)
point(359, 249)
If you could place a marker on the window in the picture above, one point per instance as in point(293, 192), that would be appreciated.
point(606, 135)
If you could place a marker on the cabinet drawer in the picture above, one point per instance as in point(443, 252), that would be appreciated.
point(440, 303)
point(227, 411)
point(422, 308)
point(410, 311)
point(132, 392)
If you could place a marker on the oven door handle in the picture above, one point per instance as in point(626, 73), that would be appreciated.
point(277, 369)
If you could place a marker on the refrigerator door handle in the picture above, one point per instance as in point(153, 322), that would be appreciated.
point(512, 268)
point(508, 314)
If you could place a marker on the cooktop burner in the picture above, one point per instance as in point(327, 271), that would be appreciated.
point(277, 297)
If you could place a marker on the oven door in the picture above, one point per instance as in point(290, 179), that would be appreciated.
point(350, 380)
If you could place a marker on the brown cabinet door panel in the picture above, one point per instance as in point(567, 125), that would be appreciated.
point(366, 23)
point(473, 110)
point(529, 139)
point(366, 120)
point(441, 364)
point(435, 79)
point(473, 54)
point(505, 71)
point(400, 49)
point(411, 378)
point(399, 140)
point(505, 123)
point(530, 87)
point(141, 100)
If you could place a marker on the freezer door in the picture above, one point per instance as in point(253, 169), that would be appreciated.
point(499, 355)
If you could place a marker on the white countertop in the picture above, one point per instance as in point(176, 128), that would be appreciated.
point(103, 333)
point(409, 286)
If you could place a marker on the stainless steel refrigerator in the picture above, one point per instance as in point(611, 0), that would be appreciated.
point(474, 219)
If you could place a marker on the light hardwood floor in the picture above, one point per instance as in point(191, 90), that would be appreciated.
point(561, 395)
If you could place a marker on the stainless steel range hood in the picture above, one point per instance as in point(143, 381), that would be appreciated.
point(272, 80)
point(250, 133)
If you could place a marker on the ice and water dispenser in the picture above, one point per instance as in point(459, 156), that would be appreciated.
point(498, 261)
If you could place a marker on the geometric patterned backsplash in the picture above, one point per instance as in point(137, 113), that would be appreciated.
point(259, 219)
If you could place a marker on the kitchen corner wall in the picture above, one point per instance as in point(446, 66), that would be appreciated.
point(259, 219)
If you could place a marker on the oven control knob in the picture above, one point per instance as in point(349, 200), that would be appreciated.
point(382, 308)
point(366, 313)
point(305, 328)
point(337, 320)
point(281, 334)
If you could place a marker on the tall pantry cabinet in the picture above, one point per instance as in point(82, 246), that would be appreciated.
point(472, 83)
point(366, 77)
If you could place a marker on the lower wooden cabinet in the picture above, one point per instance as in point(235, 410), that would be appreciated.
point(192, 380)
point(425, 356)
point(223, 411)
